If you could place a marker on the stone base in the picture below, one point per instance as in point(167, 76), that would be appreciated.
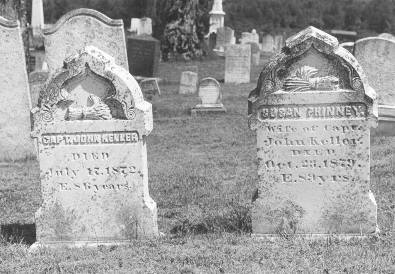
point(75, 244)
point(208, 109)
point(386, 126)
point(314, 237)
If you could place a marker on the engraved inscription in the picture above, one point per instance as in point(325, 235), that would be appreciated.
point(90, 138)
point(316, 153)
point(313, 112)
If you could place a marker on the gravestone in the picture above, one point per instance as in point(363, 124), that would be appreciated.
point(245, 37)
point(91, 128)
point(141, 26)
point(146, 26)
point(267, 43)
point(312, 110)
point(37, 18)
point(80, 28)
point(225, 36)
point(211, 97)
point(388, 36)
point(37, 80)
point(377, 57)
point(255, 54)
point(143, 55)
point(188, 82)
point(149, 88)
point(278, 42)
point(238, 64)
point(15, 142)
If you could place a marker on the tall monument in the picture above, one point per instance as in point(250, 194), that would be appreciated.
point(217, 16)
point(37, 17)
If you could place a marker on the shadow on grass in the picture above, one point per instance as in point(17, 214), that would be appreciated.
point(19, 234)
point(235, 218)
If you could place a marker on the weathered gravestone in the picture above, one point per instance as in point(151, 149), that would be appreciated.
point(255, 54)
point(141, 26)
point(377, 57)
point(37, 80)
point(188, 82)
point(15, 142)
point(388, 36)
point(225, 36)
point(80, 28)
point(91, 127)
point(149, 88)
point(267, 43)
point(143, 55)
point(211, 97)
point(238, 64)
point(278, 42)
point(313, 109)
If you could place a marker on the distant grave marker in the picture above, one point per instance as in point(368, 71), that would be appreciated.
point(211, 97)
point(143, 55)
point(15, 126)
point(149, 88)
point(377, 57)
point(255, 54)
point(238, 64)
point(312, 110)
point(188, 82)
point(268, 43)
point(91, 127)
point(80, 28)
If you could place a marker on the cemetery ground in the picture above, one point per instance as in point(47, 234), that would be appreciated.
point(202, 175)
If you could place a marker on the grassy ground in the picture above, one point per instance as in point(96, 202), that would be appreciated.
point(202, 173)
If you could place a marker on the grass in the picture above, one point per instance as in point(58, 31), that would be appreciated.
point(202, 174)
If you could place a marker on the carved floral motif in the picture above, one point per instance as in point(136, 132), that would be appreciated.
point(303, 80)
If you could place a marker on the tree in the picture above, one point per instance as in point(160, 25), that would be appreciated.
point(185, 28)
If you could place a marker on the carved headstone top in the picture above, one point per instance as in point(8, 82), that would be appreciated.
point(91, 86)
point(80, 28)
point(312, 61)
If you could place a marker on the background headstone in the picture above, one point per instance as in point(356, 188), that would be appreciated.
point(278, 43)
point(386, 36)
point(143, 55)
point(255, 53)
point(225, 36)
point(37, 17)
point(188, 82)
point(377, 58)
point(37, 80)
point(313, 110)
point(211, 97)
point(238, 64)
point(94, 174)
point(267, 43)
point(15, 142)
point(80, 28)
point(217, 16)
point(146, 26)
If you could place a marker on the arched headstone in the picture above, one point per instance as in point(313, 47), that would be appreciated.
point(91, 127)
point(80, 28)
point(313, 110)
